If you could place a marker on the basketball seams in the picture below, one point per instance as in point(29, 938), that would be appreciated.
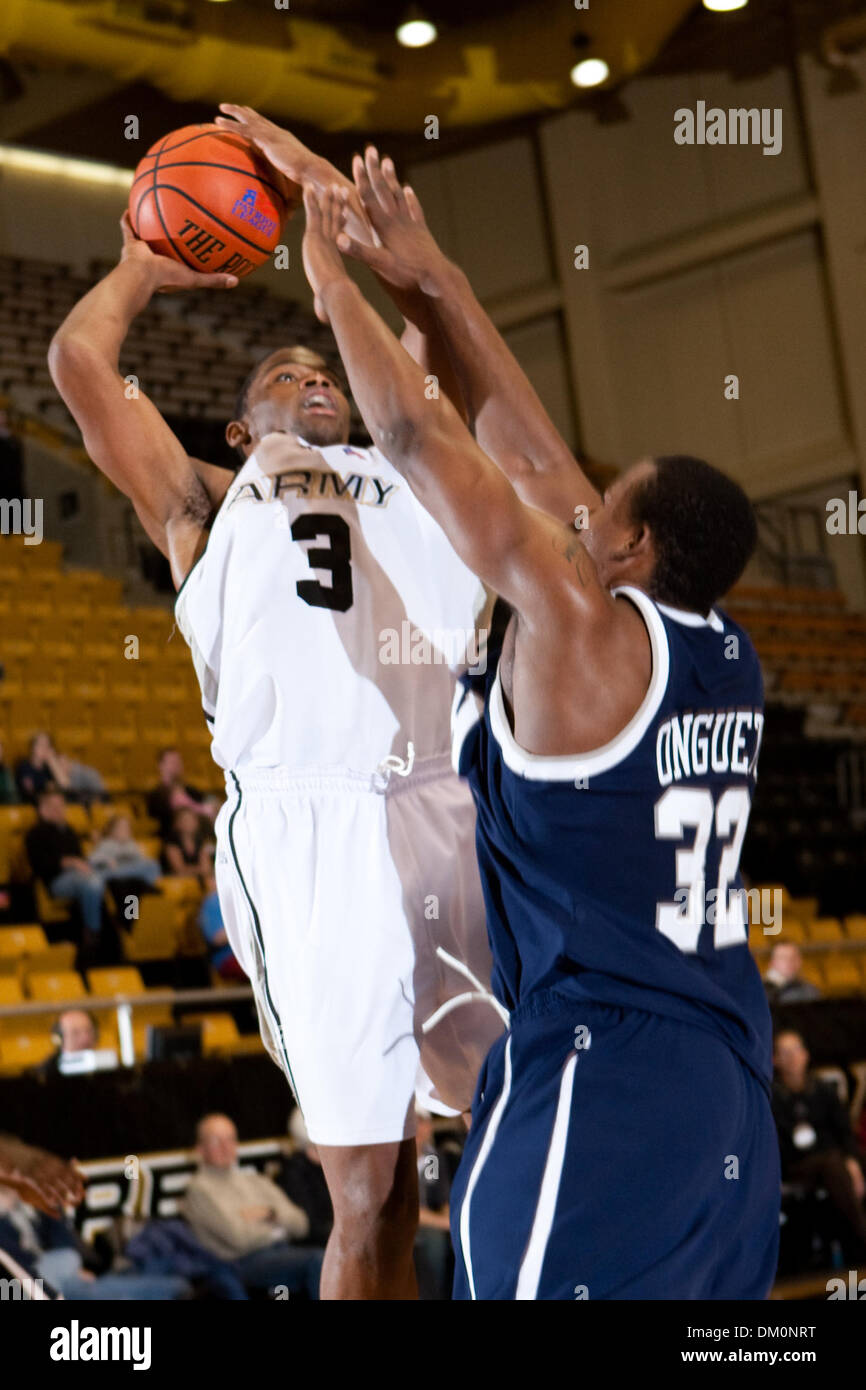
point(210, 164)
point(182, 255)
point(253, 245)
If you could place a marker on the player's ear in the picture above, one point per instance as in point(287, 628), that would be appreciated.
point(237, 434)
point(635, 545)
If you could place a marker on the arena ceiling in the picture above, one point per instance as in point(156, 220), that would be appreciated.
point(71, 70)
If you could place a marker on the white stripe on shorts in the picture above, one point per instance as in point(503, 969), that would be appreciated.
point(530, 1269)
point(487, 1145)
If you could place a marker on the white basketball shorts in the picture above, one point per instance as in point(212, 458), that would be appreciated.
point(336, 890)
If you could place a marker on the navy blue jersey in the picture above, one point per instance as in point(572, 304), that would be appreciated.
point(618, 870)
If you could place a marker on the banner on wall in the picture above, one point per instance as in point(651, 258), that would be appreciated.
point(142, 1187)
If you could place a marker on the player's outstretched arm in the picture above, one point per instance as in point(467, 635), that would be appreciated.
point(525, 556)
point(422, 337)
point(126, 437)
point(505, 413)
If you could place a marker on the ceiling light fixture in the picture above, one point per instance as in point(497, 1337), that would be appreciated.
point(591, 72)
point(416, 30)
point(722, 6)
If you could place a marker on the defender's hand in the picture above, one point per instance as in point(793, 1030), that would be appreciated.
point(408, 255)
point(287, 154)
point(168, 275)
point(322, 261)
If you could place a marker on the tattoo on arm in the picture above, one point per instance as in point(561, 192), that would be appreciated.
point(573, 551)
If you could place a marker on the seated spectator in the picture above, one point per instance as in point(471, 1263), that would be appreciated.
point(210, 920)
point(116, 852)
point(44, 766)
point(243, 1217)
point(816, 1145)
point(173, 794)
point(57, 859)
point(301, 1177)
point(185, 849)
point(50, 1246)
point(76, 1030)
point(782, 981)
point(433, 1259)
point(9, 795)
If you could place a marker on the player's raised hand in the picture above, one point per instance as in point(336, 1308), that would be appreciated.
point(408, 252)
point(167, 274)
point(322, 261)
point(288, 155)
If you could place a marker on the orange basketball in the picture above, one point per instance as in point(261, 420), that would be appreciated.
point(205, 197)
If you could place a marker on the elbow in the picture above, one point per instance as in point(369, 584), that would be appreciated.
point(68, 355)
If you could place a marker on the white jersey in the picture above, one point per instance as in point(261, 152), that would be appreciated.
point(326, 615)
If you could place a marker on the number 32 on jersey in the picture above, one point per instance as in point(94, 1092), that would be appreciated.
point(681, 810)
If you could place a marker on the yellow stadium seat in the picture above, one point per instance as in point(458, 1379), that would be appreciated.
point(59, 956)
point(855, 926)
point(56, 986)
point(812, 971)
point(78, 818)
point(49, 909)
point(842, 975)
point(10, 991)
point(25, 1050)
point(156, 934)
point(22, 941)
point(219, 1032)
point(825, 929)
point(17, 817)
point(804, 908)
point(115, 979)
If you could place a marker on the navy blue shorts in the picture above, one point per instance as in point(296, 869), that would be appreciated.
point(642, 1166)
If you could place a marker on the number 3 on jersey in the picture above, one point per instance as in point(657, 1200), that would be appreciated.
point(679, 810)
point(337, 558)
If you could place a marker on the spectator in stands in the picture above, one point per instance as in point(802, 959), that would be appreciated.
point(210, 920)
point(815, 1141)
point(243, 1217)
point(433, 1260)
point(40, 769)
point(44, 766)
point(173, 794)
point(56, 857)
point(9, 795)
point(49, 1245)
point(783, 982)
point(76, 1030)
point(301, 1177)
point(185, 850)
point(116, 852)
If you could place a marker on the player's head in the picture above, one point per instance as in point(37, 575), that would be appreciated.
point(293, 391)
point(217, 1141)
point(676, 527)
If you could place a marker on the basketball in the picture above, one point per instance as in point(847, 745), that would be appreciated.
point(205, 197)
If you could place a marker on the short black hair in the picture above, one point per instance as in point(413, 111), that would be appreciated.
point(703, 528)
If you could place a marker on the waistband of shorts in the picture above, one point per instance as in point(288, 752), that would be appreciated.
point(266, 781)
